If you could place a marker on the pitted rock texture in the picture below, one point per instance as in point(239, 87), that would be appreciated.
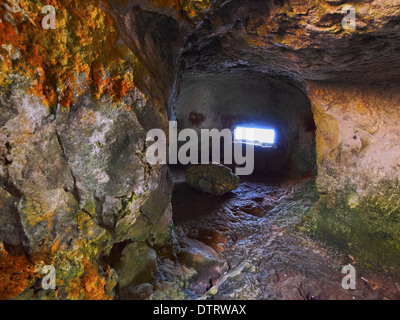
point(358, 175)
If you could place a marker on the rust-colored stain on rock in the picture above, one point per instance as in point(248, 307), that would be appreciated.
point(196, 119)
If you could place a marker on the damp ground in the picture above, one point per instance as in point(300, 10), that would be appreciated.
point(250, 244)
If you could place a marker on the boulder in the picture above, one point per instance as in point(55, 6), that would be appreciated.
point(212, 178)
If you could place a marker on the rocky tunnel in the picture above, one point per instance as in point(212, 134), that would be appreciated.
point(254, 100)
point(78, 193)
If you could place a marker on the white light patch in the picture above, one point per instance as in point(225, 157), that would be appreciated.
point(256, 136)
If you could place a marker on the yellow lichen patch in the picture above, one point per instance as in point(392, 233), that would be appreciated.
point(76, 268)
point(361, 108)
point(82, 52)
point(195, 8)
point(89, 228)
point(33, 212)
point(191, 9)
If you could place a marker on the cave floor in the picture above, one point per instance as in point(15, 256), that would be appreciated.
point(249, 244)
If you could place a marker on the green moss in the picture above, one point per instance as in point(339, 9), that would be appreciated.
point(368, 229)
point(134, 227)
point(126, 205)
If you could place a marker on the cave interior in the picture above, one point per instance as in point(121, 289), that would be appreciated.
point(79, 193)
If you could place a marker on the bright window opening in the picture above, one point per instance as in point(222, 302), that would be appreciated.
point(255, 136)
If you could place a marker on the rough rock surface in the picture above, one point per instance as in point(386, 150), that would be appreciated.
point(351, 76)
point(301, 37)
point(76, 185)
point(76, 188)
point(212, 178)
point(77, 101)
point(358, 175)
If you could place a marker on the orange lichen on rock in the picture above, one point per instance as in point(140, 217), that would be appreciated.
point(89, 286)
point(16, 274)
point(192, 9)
point(82, 52)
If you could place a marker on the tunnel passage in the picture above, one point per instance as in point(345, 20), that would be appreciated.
point(250, 99)
point(246, 99)
point(209, 224)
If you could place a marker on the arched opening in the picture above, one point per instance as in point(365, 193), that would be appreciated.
point(253, 102)
point(277, 113)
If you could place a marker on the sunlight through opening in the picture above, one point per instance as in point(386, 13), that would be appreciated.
point(255, 136)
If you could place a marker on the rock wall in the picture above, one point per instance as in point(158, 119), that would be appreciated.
point(358, 176)
point(76, 184)
point(77, 192)
point(356, 138)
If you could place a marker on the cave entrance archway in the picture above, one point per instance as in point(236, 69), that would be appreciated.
point(247, 99)
point(252, 99)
